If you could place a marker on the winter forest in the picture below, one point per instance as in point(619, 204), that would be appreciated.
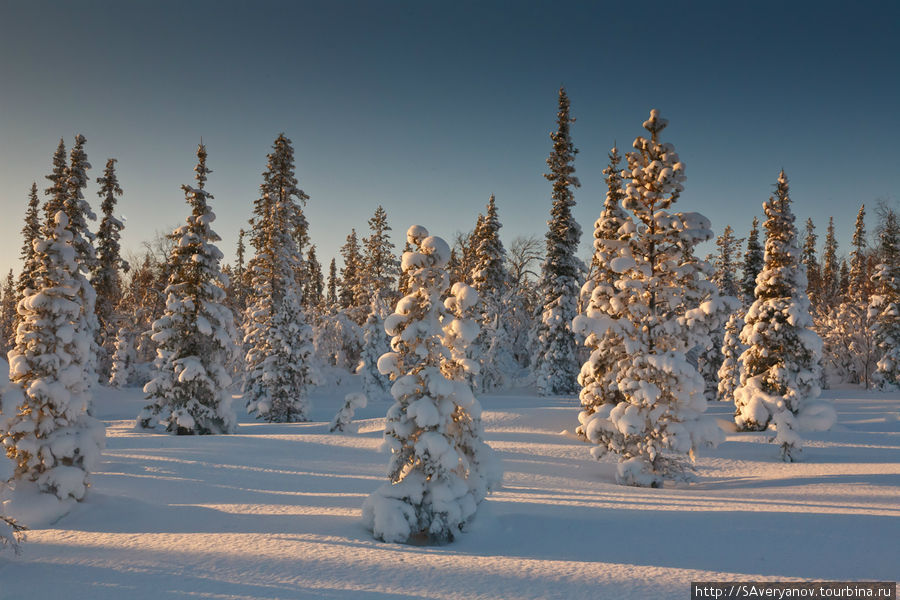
point(419, 354)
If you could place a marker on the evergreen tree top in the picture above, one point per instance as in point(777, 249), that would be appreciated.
point(57, 189)
point(655, 175)
point(32, 228)
point(858, 285)
point(279, 178)
point(562, 171)
point(786, 275)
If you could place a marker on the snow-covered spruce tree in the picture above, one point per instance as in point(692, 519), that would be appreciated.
point(844, 286)
point(491, 280)
point(710, 359)
point(380, 264)
point(31, 232)
point(375, 344)
point(809, 258)
point(79, 213)
point(668, 306)
point(612, 232)
point(352, 272)
point(332, 298)
point(460, 329)
point(557, 365)
point(8, 315)
point(195, 336)
point(57, 190)
point(342, 419)
point(54, 443)
point(724, 263)
point(403, 278)
point(280, 352)
point(884, 307)
point(857, 341)
point(430, 493)
point(315, 283)
point(105, 275)
point(732, 349)
point(122, 359)
point(831, 277)
point(781, 366)
point(753, 264)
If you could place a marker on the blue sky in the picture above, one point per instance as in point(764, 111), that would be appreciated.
point(429, 107)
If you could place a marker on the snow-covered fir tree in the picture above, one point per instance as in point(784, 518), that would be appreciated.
point(884, 307)
point(31, 232)
point(351, 285)
point(433, 489)
point(8, 314)
point(710, 358)
point(11, 533)
point(375, 344)
point(403, 278)
point(380, 264)
point(753, 264)
point(844, 285)
point(557, 365)
point(831, 277)
point(79, 213)
point(459, 331)
point(77, 208)
point(856, 343)
point(612, 232)
point(314, 286)
point(781, 366)
point(240, 284)
point(332, 296)
point(491, 280)
point(667, 307)
point(724, 263)
point(462, 263)
point(56, 193)
point(338, 340)
point(809, 258)
point(105, 275)
point(850, 349)
point(351, 403)
point(278, 339)
point(53, 442)
point(732, 349)
point(122, 359)
point(195, 336)
point(858, 289)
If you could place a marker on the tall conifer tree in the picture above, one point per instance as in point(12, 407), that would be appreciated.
point(612, 232)
point(753, 263)
point(105, 276)
point(781, 367)
point(557, 363)
point(660, 289)
point(195, 336)
point(279, 340)
point(809, 258)
point(53, 442)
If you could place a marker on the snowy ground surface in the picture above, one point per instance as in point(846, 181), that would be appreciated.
point(274, 512)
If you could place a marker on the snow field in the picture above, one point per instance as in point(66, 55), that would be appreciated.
point(273, 512)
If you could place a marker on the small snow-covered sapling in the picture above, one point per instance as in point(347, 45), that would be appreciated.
point(345, 415)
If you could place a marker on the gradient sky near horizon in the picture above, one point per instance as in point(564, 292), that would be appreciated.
point(428, 107)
